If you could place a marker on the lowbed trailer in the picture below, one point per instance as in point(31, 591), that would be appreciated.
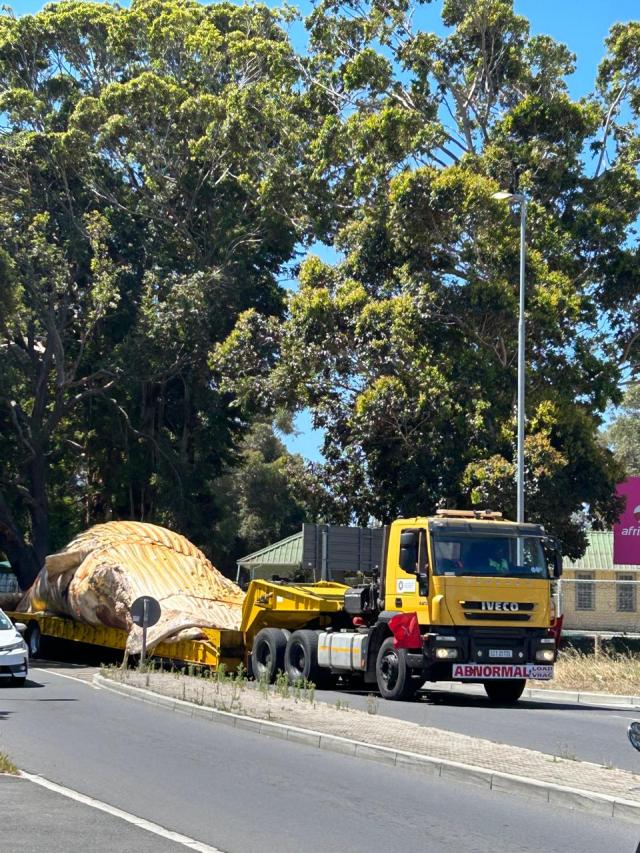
point(462, 595)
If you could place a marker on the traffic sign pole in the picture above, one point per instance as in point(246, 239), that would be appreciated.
point(145, 620)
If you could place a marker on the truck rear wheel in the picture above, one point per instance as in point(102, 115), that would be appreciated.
point(505, 692)
point(392, 673)
point(301, 659)
point(267, 654)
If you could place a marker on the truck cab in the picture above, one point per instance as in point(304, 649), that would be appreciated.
point(478, 591)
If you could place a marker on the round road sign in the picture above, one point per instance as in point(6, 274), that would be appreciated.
point(137, 611)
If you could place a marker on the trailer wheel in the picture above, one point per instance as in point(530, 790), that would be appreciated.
point(505, 692)
point(267, 654)
point(301, 659)
point(392, 673)
point(34, 640)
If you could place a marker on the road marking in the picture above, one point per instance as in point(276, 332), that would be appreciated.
point(140, 822)
point(64, 675)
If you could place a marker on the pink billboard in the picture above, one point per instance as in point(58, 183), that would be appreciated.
point(626, 533)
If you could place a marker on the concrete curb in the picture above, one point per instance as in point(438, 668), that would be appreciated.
point(583, 698)
point(491, 780)
point(577, 697)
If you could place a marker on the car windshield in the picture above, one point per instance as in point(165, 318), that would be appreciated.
point(490, 555)
point(5, 622)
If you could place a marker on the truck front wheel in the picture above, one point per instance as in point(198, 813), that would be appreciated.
point(392, 673)
point(505, 692)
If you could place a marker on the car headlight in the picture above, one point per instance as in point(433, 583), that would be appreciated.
point(546, 655)
point(19, 644)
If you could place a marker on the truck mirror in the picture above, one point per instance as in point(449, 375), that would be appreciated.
point(409, 550)
point(557, 563)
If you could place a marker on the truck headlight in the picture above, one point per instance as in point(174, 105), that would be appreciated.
point(447, 654)
point(546, 655)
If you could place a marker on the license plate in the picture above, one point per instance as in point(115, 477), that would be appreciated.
point(499, 653)
point(485, 671)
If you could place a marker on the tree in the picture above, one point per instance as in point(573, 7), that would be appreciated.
point(154, 180)
point(405, 351)
point(623, 435)
point(267, 493)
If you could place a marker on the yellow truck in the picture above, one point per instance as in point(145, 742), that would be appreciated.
point(462, 595)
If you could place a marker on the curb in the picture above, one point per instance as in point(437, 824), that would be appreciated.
point(490, 780)
point(577, 697)
point(582, 698)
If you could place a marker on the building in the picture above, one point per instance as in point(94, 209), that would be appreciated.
point(595, 594)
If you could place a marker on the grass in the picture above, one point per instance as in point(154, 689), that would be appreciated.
point(606, 672)
point(7, 765)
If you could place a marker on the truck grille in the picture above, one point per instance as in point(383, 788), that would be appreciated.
point(484, 615)
point(497, 610)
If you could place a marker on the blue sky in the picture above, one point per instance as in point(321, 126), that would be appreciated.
point(582, 25)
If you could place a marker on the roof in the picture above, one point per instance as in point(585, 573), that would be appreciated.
point(286, 552)
point(599, 555)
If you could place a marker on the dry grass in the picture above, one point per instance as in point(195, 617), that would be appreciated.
point(7, 765)
point(606, 672)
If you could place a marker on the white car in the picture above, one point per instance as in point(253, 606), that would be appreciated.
point(14, 654)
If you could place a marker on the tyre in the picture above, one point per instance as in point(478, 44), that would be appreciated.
point(267, 654)
point(392, 673)
point(301, 659)
point(505, 692)
point(33, 640)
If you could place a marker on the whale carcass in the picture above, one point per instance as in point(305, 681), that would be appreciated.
point(96, 578)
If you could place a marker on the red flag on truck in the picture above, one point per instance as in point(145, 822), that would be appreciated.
point(406, 631)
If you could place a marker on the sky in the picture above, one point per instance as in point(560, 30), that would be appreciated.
point(582, 25)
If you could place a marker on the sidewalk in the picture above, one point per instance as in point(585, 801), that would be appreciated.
point(493, 765)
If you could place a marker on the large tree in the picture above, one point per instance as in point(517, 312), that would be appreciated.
point(623, 434)
point(153, 183)
point(405, 350)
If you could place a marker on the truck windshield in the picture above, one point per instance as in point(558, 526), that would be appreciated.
point(487, 554)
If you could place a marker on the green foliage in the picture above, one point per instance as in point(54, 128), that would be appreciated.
point(623, 435)
point(154, 179)
point(266, 494)
point(405, 350)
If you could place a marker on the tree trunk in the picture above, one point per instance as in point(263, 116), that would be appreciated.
point(39, 508)
point(22, 556)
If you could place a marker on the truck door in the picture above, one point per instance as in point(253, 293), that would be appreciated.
point(407, 581)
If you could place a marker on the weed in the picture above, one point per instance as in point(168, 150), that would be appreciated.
point(282, 684)
point(7, 765)
point(564, 752)
point(263, 685)
point(609, 672)
point(372, 704)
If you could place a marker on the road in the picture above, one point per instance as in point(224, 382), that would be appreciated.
point(558, 728)
point(241, 792)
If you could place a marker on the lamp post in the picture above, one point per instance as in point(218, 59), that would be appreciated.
point(521, 199)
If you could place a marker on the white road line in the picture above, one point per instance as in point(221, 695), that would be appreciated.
point(140, 822)
point(64, 675)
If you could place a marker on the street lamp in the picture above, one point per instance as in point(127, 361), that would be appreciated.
point(521, 199)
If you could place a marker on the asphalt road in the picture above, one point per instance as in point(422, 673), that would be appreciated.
point(558, 728)
point(243, 792)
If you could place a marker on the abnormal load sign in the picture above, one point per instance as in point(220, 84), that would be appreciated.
point(487, 671)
